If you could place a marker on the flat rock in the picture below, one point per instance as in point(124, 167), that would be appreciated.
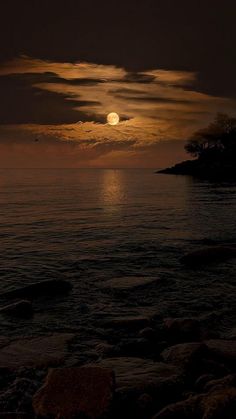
point(127, 282)
point(21, 308)
point(206, 255)
point(75, 392)
point(143, 375)
point(39, 289)
point(37, 352)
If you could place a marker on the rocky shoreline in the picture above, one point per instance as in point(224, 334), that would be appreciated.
point(171, 368)
point(145, 367)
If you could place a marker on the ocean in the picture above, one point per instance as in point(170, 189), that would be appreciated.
point(105, 229)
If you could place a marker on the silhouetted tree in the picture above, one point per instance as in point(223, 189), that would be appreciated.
point(218, 138)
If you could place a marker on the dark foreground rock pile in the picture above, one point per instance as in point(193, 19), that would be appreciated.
point(151, 368)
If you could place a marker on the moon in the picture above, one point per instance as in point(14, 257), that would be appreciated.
point(113, 118)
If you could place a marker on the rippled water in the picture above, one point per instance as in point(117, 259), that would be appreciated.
point(93, 225)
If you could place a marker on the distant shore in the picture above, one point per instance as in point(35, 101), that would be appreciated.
point(205, 169)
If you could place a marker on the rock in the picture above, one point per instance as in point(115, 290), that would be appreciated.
point(185, 409)
point(127, 322)
point(225, 350)
point(203, 380)
point(227, 381)
point(127, 283)
point(182, 329)
point(75, 392)
point(206, 255)
point(21, 308)
point(39, 289)
point(219, 404)
point(37, 352)
point(140, 376)
point(186, 355)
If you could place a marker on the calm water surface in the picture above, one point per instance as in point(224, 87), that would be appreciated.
point(89, 226)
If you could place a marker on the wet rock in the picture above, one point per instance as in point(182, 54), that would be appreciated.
point(206, 255)
point(186, 355)
point(137, 375)
point(39, 289)
point(225, 350)
point(21, 308)
point(75, 392)
point(182, 329)
point(37, 352)
point(127, 283)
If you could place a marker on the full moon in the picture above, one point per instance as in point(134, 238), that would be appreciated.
point(113, 118)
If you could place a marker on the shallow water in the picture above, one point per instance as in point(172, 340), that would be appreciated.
point(90, 226)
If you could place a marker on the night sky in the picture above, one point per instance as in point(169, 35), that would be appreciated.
point(166, 67)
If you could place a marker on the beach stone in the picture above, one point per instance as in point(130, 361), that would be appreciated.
point(225, 350)
point(206, 255)
point(75, 392)
point(39, 289)
point(21, 308)
point(128, 282)
point(182, 329)
point(186, 355)
point(144, 376)
point(39, 352)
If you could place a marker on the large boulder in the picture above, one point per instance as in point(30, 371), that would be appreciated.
point(206, 255)
point(75, 392)
point(37, 352)
point(39, 289)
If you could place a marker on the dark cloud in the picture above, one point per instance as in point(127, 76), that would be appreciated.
point(185, 35)
point(23, 103)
